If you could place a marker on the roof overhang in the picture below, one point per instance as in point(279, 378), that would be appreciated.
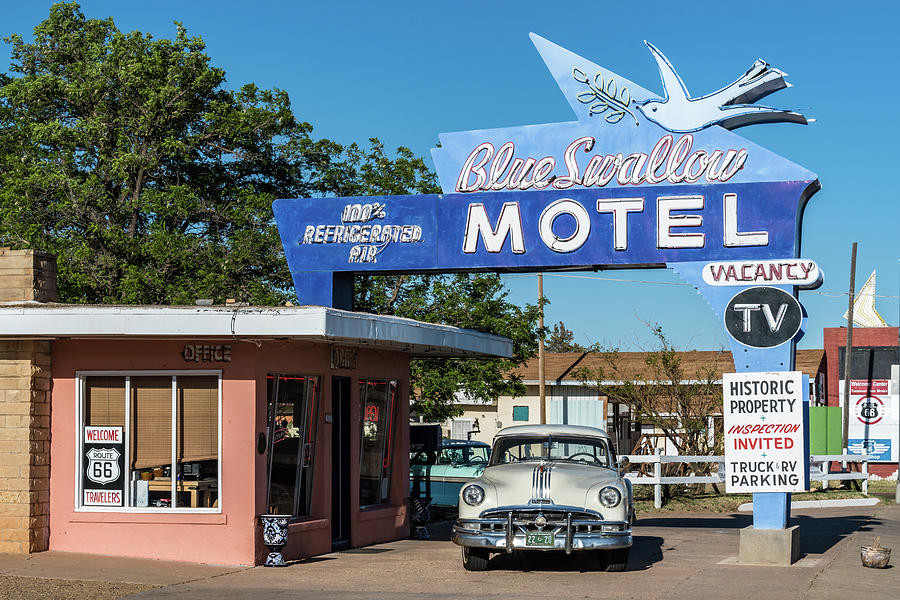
point(309, 323)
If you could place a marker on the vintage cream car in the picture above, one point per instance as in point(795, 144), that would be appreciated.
point(548, 487)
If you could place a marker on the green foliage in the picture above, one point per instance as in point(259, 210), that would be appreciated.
point(153, 184)
point(473, 302)
point(562, 340)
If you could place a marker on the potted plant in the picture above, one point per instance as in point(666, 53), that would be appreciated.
point(275, 532)
point(876, 555)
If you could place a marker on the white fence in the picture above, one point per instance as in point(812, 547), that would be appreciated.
point(818, 470)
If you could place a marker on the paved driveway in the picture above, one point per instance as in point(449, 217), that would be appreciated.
point(674, 557)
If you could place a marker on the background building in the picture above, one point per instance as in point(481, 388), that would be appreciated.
point(571, 402)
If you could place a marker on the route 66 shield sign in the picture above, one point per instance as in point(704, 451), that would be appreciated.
point(103, 465)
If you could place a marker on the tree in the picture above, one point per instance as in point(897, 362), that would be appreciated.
point(562, 340)
point(128, 158)
point(474, 302)
point(661, 393)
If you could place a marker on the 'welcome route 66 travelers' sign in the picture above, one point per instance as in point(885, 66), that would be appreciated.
point(103, 461)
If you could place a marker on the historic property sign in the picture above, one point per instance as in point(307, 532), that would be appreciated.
point(765, 432)
point(874, 419)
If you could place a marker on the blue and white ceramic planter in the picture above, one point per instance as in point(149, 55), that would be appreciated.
point(275, 532)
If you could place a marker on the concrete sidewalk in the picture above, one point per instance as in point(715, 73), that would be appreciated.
point(674, 557)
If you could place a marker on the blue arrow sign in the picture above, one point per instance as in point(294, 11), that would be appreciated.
point(540, 230)
point(639, 179)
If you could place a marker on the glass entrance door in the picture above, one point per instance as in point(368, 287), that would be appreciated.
point(340, 466)
point(292, 419)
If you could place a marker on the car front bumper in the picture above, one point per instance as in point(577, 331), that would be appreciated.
point(570, 535)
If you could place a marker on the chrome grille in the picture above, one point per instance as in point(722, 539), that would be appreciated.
point(523, 520)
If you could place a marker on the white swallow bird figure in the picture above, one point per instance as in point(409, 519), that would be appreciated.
point(731, 107)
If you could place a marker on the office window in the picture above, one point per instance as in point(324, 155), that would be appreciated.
point(378, 404)
point(149, 441)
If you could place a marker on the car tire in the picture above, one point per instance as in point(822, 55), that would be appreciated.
point(475, 559)
point(613, 561)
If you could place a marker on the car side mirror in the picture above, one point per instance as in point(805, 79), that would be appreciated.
point(622, 464)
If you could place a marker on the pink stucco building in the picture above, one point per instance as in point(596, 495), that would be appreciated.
point(164, 432)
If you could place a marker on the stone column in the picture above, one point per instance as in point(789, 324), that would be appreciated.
point(24, 446)
point(25, 276)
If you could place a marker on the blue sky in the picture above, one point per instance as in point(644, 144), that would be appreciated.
point(405, 71)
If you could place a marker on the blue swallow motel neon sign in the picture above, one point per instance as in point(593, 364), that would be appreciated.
point(638, 180)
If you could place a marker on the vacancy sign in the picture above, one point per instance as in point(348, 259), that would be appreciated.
point(764, 432)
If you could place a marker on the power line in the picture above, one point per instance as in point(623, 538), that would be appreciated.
point(621, 280)
point(567, 276)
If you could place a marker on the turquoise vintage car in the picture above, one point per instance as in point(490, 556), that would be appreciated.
point(441, 476)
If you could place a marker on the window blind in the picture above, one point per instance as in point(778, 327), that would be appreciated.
point(198, 418)
point(151, 422)
point(104, 401)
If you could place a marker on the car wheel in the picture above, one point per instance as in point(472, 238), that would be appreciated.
point(613, 561)
point(475, 559)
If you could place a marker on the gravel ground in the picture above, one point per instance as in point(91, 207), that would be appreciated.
point(32, 588)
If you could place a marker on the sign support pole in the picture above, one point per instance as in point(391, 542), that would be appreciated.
point(542, 389)
point(848, 351)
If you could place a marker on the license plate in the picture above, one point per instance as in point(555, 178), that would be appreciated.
point(539, 538)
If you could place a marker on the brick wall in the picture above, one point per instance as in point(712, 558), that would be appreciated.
point(24, 446)
point(27, 275)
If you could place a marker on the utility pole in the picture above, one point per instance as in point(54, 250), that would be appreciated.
point(542, 392)
point(849, 348)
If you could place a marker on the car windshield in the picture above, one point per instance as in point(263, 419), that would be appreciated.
point(464, 455)
point(580, 449)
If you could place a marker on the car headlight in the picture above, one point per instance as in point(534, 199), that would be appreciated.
point(610, 496)
point(473, 495)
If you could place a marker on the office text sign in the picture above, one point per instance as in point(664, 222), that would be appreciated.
point(764, 432)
